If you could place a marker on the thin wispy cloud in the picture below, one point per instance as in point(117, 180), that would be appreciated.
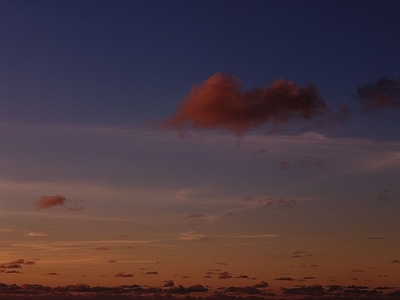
point(37, 234)
point(191, 236)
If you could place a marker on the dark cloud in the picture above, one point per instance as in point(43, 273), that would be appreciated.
point(50, 201)
point(251, 290)
point(395, 261)
point(335, 287)
point(138, 292)
point(52, 274)
point(285, 278)
point(152, 273)
point(224, 275)
point(197, 288)
point(168, 283)
point(191, 216)
point(261, 284)
point(13, 272)
point(357, 287)
point(111, 261)
point(379, 94)
point(16, 264)
point(219, 103)
point(315, 289)
point(122, 274)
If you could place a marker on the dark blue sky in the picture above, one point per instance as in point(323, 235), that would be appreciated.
point(125, 62)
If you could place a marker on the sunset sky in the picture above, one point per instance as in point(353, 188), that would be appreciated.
point(200, 147)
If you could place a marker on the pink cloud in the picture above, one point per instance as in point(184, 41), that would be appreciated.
point(219, 103)
point(50, 201)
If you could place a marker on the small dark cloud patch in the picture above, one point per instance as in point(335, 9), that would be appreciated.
point(224, 275)
point(380, 94)
point(395, 261)
point(16, 264)
point(315, 289)
point(193, 216)
point(197, 288)
point(284, 279)
point(123, 275)
point(168, 283)
point(152, 273)
point(261, 284)
point(13, 272)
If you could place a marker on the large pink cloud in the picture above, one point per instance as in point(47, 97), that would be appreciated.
point(219, 103)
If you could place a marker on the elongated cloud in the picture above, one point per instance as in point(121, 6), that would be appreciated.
point(50, 201)
point(383, 93)
point(15, 264)
point(219, 103)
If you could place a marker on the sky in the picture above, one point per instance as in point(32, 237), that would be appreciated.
point(202, 148)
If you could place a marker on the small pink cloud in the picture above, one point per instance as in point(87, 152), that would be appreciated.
point(50, 201)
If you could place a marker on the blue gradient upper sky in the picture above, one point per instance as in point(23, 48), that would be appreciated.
point(93, 190)
point(79, 62)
